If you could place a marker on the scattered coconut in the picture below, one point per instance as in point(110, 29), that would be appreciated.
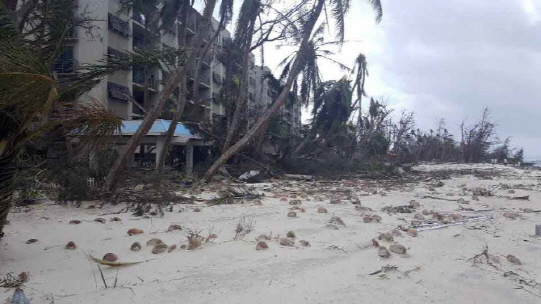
point(292, 214)
point(415, 204)
point(385, 237)
point(425, 212)
point(286, 242)
point(304, 243)
point(337, 221)
point(196, 210)
point(295, 202)
point(462, 201)
point(31, 241)
point(511, 191)
point(419, 216)
point(362, 208)
point(75, 222)
point(375, 218)
point(263, 237)
point(411, 232)
point(211, 237)
point(513, 259)
point(110, 257)
point(154, 242)
point(456, 217)
point(171, 248)
point(100, 220)
point(159, 248)
point(511, 215)
point(475, 198)
point(383, 252)
point(416, 223)
point(183, 246)
point(396, 232)
point(321, 210)
point(397, 248)
point(135, 246)
point(291, 234)
point(70, 245)
point(335, 201)
point(261, 245)
point(331, 226)
point(367, 219)
point(173, 227)
point(116, 219)
point(437, 217)
point(134, 231)
point(193, 243)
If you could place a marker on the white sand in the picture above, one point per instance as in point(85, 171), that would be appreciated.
point(232, 271)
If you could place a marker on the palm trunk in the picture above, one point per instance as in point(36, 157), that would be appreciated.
point(277, 103)
point(173, 126)
point(8, 168)
point(241, 100)
point(159, 102)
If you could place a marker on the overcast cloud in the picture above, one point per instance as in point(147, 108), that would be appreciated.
point(450, 59)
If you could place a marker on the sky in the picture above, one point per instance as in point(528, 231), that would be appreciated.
point(450, 59)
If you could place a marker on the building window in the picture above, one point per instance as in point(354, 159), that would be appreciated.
point(65, 63)
point(119, 26)
point(118, 91)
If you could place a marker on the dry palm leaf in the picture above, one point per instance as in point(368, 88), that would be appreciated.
point(114, 264)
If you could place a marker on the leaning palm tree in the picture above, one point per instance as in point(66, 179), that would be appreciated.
point(158, 102)
point(339, 10)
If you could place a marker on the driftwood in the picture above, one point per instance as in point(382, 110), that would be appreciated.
point(299, 177)
point(433, 226)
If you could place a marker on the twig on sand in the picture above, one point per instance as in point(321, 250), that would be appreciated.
point(385, 268)
point(102, 277)
point(10, 281)
point(334, 247)
point(484, 257)
point(440, 198)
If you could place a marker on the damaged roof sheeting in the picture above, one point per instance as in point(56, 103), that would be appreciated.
point(159, 128)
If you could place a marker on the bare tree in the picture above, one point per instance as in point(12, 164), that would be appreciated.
point(339, 10)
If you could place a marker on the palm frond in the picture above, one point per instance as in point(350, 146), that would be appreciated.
point(378, 8)
point(339, 10)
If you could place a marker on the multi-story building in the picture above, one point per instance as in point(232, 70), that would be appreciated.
point(129, 93)
point(265, 94)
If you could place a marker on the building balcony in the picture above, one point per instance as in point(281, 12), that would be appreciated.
point(138, 78)
point(65, 66)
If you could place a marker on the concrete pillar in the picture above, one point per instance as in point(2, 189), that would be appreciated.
point(189, 160)
point(159, 148)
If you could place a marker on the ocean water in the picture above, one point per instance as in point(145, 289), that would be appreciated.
point(535, 162)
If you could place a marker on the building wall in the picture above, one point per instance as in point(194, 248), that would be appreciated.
point(92, 48)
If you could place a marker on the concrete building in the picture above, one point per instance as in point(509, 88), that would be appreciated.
point(130, 93)
point(265, 95)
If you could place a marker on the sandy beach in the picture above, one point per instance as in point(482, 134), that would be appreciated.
point(337, 267)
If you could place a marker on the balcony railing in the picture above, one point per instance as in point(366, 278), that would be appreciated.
point(65, 66)
point(139, 78)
